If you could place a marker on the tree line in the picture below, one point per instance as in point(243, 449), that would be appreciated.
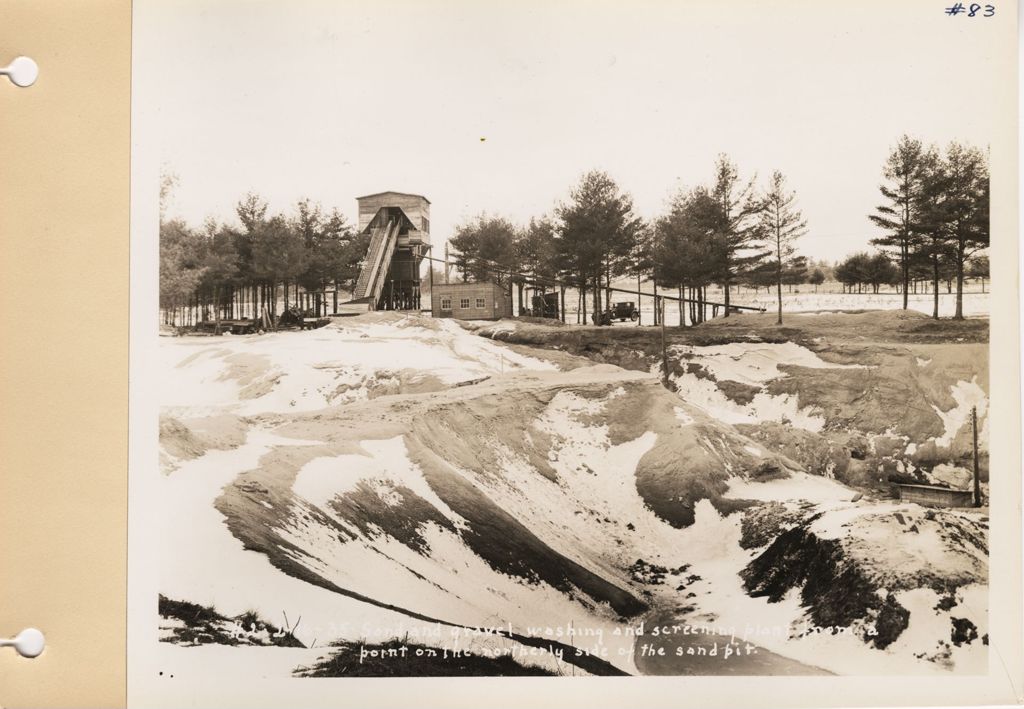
point(935, 213)
point(728, 232)
point(869, 271)
point(219, 271)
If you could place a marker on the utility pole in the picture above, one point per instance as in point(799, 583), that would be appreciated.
point(446, 263)
point(639, 303)
point(977, 473)
point(430, 270)
point(660, 306)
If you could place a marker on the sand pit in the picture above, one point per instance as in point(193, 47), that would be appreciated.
point(463, 482)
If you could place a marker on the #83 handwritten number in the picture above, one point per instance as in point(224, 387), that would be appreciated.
point(972, 10)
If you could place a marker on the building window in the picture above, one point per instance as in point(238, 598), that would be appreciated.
point(464, 303)
point(446, 303)
point(481, 303)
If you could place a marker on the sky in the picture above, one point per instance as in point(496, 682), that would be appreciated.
point(499, 107)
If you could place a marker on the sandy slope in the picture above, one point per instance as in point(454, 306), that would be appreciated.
point(455, 483)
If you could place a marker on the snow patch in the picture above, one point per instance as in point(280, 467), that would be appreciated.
point(385, 467)
point(784, 408)
point(722, 602)
point(202, 562)
point(306, 371)
point(683, 417)
point(755, 363)
point(798, 486)
point(966, 395)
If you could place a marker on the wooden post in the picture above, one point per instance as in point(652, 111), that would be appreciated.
point(430, 266)
point(657, 305)
point(977, 472)
point(660, 308)
point(639, 303)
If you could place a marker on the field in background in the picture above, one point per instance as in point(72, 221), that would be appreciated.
point(975, 303)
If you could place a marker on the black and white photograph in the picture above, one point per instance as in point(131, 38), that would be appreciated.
point(564, 339)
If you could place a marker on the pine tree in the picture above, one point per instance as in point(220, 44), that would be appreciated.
point(782, 224)
point(689, 250)
point(905, 174)
point(485, 249)
point(932, 220)
point(597, 233)
point(817, 278)
point(641, 262)
point(534, 254)
point(967, 210)
point(738, 225)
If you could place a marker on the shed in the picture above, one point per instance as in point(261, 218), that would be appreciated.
point(935, 496)
point(470, 301)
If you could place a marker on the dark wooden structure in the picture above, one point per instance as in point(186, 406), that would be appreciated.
point(935, 496)
point(544, 305)
point(399, 227)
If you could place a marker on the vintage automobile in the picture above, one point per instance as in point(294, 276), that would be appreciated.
point(624, 311)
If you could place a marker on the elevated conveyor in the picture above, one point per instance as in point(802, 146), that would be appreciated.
point(398, 227)
point(370, 284)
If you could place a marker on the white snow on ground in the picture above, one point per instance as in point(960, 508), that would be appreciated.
point(835, 525)
point(722, 602)
point(798, 486)
point(202, 562)
point(449, 582)
point(495, 330)
point(755, 364)
point(874, 528)
point(972, 604)
point(385, 466)
point(810, 303)
point(703, 392)
point(683, 417)
point(591, 512)
point(966, 395)
point(304, 371)
point(974, 303)
point(368, 566)
point(594, 477)
point(953, 475)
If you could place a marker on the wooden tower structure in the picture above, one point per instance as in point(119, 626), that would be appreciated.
point(399, 229)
